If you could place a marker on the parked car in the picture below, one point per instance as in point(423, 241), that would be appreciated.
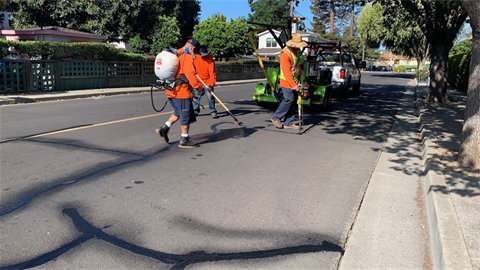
point(383, 68)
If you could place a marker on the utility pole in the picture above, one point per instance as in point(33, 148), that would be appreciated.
point(293, 26)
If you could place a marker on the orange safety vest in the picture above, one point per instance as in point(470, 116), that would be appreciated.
point(294, 66)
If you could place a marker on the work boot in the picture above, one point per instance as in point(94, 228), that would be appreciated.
point(185, 142)
point(214, 115)
point(296, 127)
point(277, 124)
point(163, 132)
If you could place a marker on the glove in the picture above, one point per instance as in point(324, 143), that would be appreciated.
point(210, 88)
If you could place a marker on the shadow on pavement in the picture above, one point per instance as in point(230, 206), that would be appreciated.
point(179, 261)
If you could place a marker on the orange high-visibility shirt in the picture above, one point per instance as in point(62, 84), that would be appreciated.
point(186, 67)
point(205, 67)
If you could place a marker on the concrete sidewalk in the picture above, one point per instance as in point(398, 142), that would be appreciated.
point(62, 95)
point(389, 231)
point(420, 210)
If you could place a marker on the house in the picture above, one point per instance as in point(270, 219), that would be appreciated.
point(50, 33)
point(389, 59)
point(268, 47)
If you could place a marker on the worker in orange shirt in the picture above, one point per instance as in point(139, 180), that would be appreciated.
point(289, 78)
point(180, 97)
point(205, 66)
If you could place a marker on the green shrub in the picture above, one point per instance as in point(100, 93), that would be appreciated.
point(4, 48)
point(464, 46)
point(130, 57)
point(66, 50)
point(458, 70)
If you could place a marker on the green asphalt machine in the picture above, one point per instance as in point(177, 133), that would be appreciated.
point(316, 88)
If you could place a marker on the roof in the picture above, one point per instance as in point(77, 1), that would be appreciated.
point(57, 30)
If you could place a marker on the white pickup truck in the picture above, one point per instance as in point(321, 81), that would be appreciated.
point(345, 71)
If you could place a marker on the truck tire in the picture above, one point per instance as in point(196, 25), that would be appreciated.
point(344, 93)
point(356, 88)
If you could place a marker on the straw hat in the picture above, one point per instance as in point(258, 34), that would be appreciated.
point(296, 41)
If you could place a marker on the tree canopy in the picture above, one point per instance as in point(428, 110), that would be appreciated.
point(268, 11)
point(119, 20)
point(399, 34)
point(325, 13)
point(440, 22)
point(165, 35)
point(224, 39)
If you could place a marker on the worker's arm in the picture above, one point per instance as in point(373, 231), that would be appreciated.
point(190, 72)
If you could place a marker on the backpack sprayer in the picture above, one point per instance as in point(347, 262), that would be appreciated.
point(166, 66)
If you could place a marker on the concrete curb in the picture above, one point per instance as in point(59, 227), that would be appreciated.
point(74, 94)
point(449, 250)
point(54, 96)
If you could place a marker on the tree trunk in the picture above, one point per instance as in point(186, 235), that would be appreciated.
point(332, 17)
point(469, 155)
point(421, 63)
point(438, 73)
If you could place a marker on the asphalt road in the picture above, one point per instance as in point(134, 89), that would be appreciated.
point(88, 184)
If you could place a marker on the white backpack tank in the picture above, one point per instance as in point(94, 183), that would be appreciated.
point(166, 65)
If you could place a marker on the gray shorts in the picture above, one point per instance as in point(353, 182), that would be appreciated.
point(183, 109)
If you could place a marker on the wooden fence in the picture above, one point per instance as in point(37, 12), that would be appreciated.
point(25, 76)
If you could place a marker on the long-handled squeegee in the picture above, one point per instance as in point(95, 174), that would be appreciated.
point(237, 122)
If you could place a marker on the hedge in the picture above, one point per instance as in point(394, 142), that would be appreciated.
point(403, 68)
point(65, 50)
point(458, 70)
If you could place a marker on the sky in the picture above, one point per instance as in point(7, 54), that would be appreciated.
point(232, 9)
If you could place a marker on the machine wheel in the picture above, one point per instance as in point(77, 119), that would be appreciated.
point(259, 103)
point(327, 101)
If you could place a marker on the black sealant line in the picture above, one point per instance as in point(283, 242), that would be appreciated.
point(87, 147)
point(26, 199)
point(180, 261)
